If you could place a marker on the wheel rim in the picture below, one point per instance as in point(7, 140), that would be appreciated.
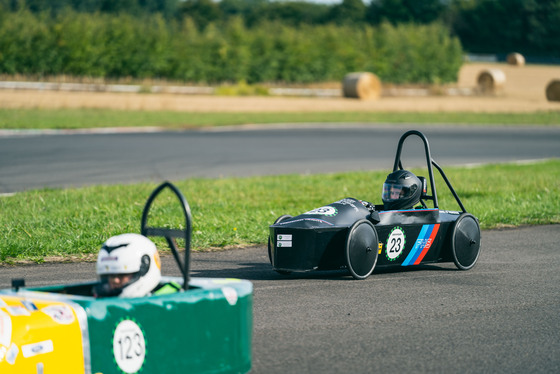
point(466, 242)
point(361, 249)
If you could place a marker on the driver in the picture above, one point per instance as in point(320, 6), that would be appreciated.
point(401, 190)
point(128, 265)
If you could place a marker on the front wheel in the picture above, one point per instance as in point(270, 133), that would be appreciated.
point(361, 249)
point(465, 241)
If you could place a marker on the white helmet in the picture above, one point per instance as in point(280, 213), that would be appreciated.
point(132, 254)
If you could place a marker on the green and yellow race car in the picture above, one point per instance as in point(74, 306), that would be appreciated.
point(204, 327)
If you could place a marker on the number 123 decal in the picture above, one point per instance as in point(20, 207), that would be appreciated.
point(129, 346)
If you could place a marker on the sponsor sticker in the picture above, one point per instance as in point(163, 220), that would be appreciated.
point(29, 305)
point(35, 349)
point(283, 240)
point(395, 243)
point(109, 258)
point(129, 346)
point(59, 313)
point(17, 311)
point(12, 354)
point(230, 294)
point(422, 245)
point(349, 202)
point(3, 351)
point(5, 329)
point(322, 221)
point(328, 210)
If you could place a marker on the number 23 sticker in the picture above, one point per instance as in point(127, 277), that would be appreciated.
point(395, 243)
point(129, 346)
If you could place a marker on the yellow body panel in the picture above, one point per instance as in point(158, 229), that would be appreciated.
point(39, 336)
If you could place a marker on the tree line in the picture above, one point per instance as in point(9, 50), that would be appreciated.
point(402, 41)
point(530, 27)
point(122, 45)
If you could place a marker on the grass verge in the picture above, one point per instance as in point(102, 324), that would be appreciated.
point(73, 223)
point(91, 118)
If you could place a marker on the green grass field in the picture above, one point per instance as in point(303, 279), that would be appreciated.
point(63, 224)
point(90, 118)
point(53, 224)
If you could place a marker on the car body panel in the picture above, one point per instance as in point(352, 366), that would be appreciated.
point(206, 329)
point(38, 333)
point(314, 240)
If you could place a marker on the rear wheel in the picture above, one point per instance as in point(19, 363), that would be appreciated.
point(361, 249)
point(465, 241)
point(279, 219)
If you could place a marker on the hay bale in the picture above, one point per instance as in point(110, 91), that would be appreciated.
point(364, 85)
point(516, 59)
point(491, 81)
point(553, 90)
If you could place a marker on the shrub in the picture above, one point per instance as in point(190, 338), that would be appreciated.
point(147, 46)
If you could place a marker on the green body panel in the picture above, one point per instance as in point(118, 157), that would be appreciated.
point(207, 329)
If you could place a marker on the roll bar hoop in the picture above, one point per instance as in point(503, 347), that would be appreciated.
point(171, 234)
point(429, 161)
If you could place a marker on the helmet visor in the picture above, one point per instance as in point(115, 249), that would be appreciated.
point(392, 191)
point(113, 284)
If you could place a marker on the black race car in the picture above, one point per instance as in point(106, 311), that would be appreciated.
point(360, 236)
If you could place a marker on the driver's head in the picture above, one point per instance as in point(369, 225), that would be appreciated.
point(401, 190)
point(128, 265)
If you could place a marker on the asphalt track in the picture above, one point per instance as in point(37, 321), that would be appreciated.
point(499, 317)
point(30, 159)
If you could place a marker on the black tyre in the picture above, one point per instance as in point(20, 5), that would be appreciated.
point(361, 249)
point(279, 219)
point(465, 241)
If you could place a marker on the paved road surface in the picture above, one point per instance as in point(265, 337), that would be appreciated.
point(33, 161)
point(500, 317)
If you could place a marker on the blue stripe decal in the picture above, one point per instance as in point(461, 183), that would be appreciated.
point(418, 245)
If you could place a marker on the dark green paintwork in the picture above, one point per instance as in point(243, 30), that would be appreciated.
point(194, 331)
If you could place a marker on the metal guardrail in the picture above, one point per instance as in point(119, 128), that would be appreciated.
point(502, 57)
point(199, 90)
point(92, 87)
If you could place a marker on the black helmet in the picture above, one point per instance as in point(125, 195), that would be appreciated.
point(401, 190)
